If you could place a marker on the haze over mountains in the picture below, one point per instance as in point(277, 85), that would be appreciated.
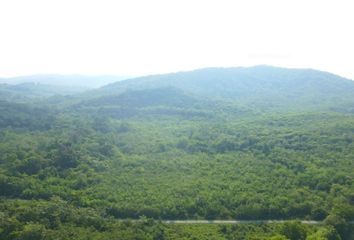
point(83, 81)
point(259, 87)
point(40, 86)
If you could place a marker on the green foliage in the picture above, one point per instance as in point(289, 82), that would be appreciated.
point(325, 233)
point(294, 231)
point(73, 171)
point(30, 232)
point(278, 237)
point(342, 227)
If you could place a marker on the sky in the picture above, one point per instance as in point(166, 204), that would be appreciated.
point(138, 37)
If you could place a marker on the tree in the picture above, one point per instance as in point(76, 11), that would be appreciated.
point(326, 233)
point(339, 223)
point(31, 231)
point(32, 165)
point(294, 230)
point(278, 237)
point(66, 156)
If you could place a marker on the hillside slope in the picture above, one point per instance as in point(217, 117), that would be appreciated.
point(175, 148)
point(261, 87)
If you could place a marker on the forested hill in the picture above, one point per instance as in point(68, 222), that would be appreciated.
point(221, 143)
point(25, 92)
point(261, 87)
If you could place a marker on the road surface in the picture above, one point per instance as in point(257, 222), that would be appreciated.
point(229, 221)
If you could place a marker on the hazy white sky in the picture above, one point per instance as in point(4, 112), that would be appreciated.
point(136, 37)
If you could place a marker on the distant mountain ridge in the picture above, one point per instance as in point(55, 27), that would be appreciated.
point(259, 86)
point(24, 92)
point(75, 80)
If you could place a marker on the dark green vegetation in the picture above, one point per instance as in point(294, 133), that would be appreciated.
point(249, 143)
point(25, 92)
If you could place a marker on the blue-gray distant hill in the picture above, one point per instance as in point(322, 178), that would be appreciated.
point(260, 87)
point(24, 92)
point(83, 81)
point(22, 89)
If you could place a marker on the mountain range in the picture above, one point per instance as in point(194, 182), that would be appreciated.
point(259, 87)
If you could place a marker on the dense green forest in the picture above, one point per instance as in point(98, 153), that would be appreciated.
point(246, 143)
